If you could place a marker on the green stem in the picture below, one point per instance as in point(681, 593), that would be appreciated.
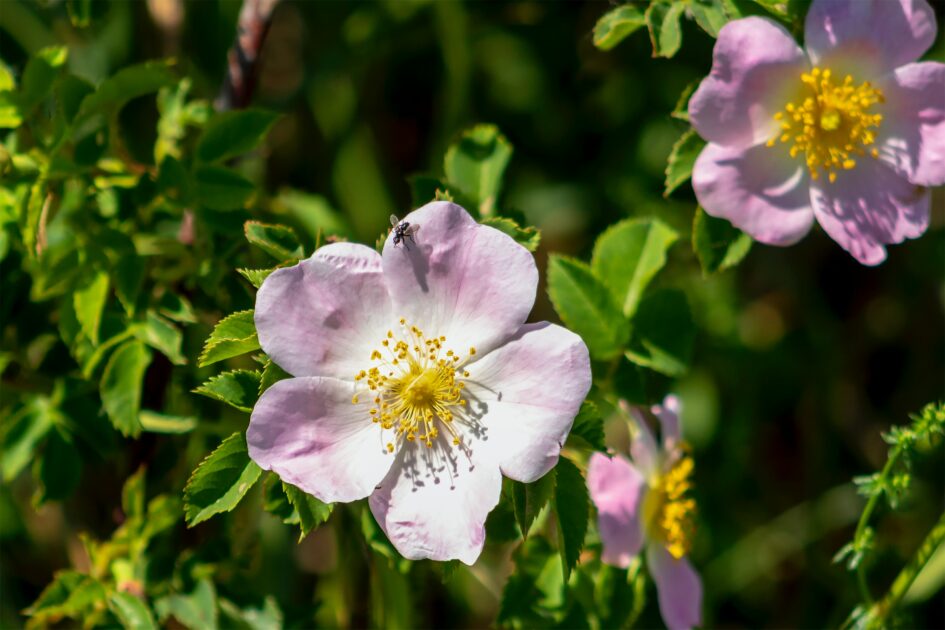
point(865, 519)
point(907, 576)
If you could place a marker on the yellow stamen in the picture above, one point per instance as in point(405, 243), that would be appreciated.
point(669, 511)
point(831, 123)
point(415, 379)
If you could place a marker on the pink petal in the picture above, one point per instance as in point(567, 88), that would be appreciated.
point(434, 502)
point(617, 490)
point(761, 190)
point(912, 134)
point(678, 588)
point(528, 392)
point(868, 207)
point(643, 448)
point(868, 38)
point(323, 316)
point(668, 414)
point(308, 432)
point(465, 281)
point(756, 67)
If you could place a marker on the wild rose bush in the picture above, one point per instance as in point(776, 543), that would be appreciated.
point(576, 380)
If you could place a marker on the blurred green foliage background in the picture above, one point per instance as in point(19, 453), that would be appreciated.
point(802, 358)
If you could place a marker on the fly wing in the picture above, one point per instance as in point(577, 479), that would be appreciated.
point(394, 221)
point(412, 229)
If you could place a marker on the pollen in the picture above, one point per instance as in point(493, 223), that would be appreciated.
point(832, 123)
point(669, 510)
point(415, 387)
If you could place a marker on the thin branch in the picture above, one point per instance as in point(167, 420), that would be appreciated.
point(251, 28)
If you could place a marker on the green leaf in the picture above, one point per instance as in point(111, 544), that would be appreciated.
point(80, 12)
point(663, 333)
point(528, 499)
point(221, 188)
point(59, 470)
point(237, 388)
point(196, 610)
point(278, 241)
point(311, 511)
point(154, 422)
point(589, 426)
point(618, 24)
point(233, 335)
point(233, 133)
point(176, 307)
point(23, 432)
point(125, 85)
point(10, 117)
point(129, 275)
point(572, 512)
point(121, 386)
point(627, 256)
point(272, 373)
point(256, 276)
point(70, 594)
point(267, 617)
point(277, 503)
point(586, 306)
point(528, 237)
point(662, 20)
point(681, 110)
point(709, 15)
point(40, 75)
point(89, 302)
point(474, 164)
point(718, 244)
point(681, 160)
point(220, 481)
point(131, 611)
point(313, 212)
point(163, 336)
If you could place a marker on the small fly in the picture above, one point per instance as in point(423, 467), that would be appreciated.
point(403, 230)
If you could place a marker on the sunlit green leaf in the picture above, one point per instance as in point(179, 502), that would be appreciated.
point(40, 75)
point(527, 237)
point(278, 241)
point(121, 386)
point(131, 611)
point(474, 164)
point(220, 481)
point(618, 24)
point(22, 433)
point(154, 422)
point(163, 336)
point(237, 388)
point(586, 306)
point(627, 256)
point(662, 20)
point(233, 335)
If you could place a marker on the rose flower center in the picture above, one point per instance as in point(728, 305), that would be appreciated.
point(832, 123)
point(669, 511)
point(414, 386)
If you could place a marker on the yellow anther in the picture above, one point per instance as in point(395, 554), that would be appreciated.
point(669, 511)
point(354, 399)
point(832, 124)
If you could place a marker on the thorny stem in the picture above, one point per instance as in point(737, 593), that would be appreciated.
point(865, 518)
point(241, 60)
point(906, 577)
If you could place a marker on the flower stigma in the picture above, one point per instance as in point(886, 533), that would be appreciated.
point(669, 510)
point(832, 125)
point(415, 387)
